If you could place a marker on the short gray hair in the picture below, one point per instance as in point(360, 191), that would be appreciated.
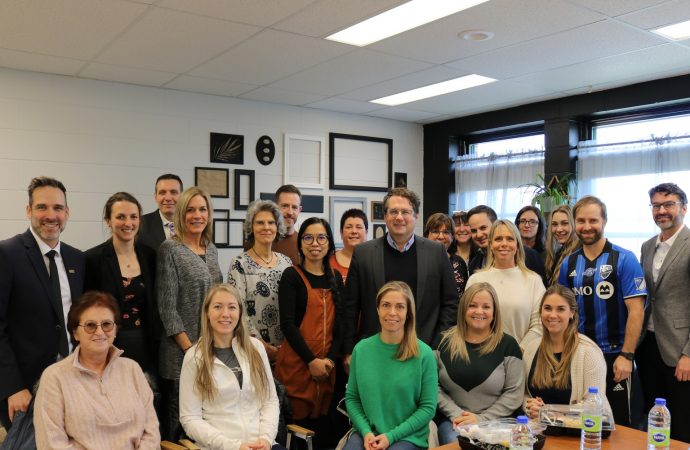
point(260, 206)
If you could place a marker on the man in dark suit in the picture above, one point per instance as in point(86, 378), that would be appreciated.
point(39, 278)
point(663, 357)
point(401, 255)
point(480, 218)
point(157, 226)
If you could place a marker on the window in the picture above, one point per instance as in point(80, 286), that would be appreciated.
point(493, 172)
point(624, 161)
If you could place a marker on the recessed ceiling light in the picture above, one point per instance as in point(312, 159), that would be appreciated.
point(399, 19)
point(433, 90)
point(476, 35)
point(676, 31)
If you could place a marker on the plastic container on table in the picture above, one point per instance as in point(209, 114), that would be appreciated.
point(565, 420)
point(495, 435)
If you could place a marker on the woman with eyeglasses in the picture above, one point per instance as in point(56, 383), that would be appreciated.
point(530, 222)
point(95, 398)
point(561, 241)
point(439, 227)
point(311, 298)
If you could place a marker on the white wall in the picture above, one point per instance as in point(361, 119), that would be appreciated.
point(101, 137)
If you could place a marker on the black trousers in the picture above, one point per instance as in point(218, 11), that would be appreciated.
point(659, 380)
point(625, 397)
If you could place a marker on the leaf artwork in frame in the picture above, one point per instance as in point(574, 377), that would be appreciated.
point(227, 148)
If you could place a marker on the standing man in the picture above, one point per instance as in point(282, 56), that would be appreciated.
point(663, 358)
point(289, 199)
point(39, 278)
point(157, 226)
point(610, 289)
point(480, 218)
point(401, 255)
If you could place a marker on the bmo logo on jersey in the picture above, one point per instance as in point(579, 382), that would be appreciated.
point(604, 290)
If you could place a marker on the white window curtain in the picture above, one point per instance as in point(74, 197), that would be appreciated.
point(496, 181)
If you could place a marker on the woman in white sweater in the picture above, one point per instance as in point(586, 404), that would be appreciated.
point(519, 289)
point(227, 396)
point(564, 363)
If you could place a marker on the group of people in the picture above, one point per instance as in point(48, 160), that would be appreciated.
point(478, 319)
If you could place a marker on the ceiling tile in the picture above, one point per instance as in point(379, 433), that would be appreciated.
point(284, 96)
point(208, 86)
point(617, 7)
point(71, 28)
point(665, 14)
point(407, 115)
point(270, 56)
point(511, 21)
point(344, 105)
point(122, 74)
point(253, 12)
point(39, 63)
point(172, 41)
point(354, 70)
point(596, 40)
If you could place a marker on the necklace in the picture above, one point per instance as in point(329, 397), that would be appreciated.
point(267, 262)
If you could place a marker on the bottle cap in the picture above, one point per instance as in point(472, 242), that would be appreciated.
point(660, 401)
point(593, 390)
point(522, 419)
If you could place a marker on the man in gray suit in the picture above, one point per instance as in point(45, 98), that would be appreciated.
point(663, 357)
point(400, 255)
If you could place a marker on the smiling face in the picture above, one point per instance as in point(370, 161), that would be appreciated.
point(480, 226)
point(124, 221)
point(223, 315)
point(100, 341)
point(264, 227)
point(48, 214)
point(462, 233)
point(196, 216)
point(556, 315)
point(504, 248)
point(668, 218)
point(392, 311)
point(289, 204)
point(400, 218)
point(528, 225)
point(166, 195)
point(317, 248)
point(353, 232)
point(589, 224)
point(560, 227)
point(480, 314)
point(443, 235)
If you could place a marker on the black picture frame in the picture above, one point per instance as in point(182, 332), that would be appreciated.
point(386, 178)
point(377, 211)
point(400, 179)
point(227, 148)
point(222, 229)
point(379, 230)
point(239, 173)
point(213, 180)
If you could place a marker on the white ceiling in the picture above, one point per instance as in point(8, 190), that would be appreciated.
point(274, 51)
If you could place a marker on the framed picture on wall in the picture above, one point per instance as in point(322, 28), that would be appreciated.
point(227, 148)
point(379, 230)
point(338, 206)
point(376, 211)
point(244, 189)
point(304, 161)
point(212, 180)
point(360, 163)
point(227, 232)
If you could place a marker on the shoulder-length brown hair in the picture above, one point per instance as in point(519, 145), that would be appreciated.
point(181, 210)
point(408, 348)
point(552, 245)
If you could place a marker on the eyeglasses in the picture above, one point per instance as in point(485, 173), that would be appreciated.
point(321, 239)
point(526, 222)
point(667, 205)
point(406, 213)
point(91, 327)
point(438, 232)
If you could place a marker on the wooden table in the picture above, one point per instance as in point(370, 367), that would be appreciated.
point(622, 438)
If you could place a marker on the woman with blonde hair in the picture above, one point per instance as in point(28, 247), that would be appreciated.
point(383, 414)
point(480, 370)
point(187, 269)
point(563, 364)
point(227, 395)
point(518, 288)
point(561, 241)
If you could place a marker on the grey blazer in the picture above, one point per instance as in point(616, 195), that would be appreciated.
point(437, 295)
point(669, 298)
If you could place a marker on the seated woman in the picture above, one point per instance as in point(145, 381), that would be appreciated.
point(95, 398)
point(561, 241)
point(393, 386)
point(480, 370)
point(353, 230)
point(564, 363)
point(227, 396)
point(439, 227)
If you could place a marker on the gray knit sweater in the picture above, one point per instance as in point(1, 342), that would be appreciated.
point(182, 281)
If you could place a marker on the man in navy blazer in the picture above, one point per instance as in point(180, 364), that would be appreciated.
point(156, 226)
point(33, 330)
point(401, 255)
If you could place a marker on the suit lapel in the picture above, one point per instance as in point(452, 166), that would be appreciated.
point(379, 275)
point(673, 253)
point(421, 270)
point(37, 261)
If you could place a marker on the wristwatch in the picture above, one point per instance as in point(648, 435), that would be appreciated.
point(628, 355)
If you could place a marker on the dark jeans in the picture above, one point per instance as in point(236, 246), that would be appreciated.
point(357, 443)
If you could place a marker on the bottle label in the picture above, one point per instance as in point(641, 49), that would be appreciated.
point(591, 423)
point(658, 437)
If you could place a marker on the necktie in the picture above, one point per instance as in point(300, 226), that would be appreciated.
point(171, 227)
point(63, 348)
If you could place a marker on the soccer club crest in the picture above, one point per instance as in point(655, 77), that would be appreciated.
point(605, 270)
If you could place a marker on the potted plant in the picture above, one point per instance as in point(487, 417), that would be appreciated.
point(547, 196)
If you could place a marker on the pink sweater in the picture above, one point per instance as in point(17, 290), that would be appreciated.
point(75, 408)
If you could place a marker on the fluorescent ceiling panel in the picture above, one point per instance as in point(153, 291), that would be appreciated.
point(676, 31)
point(433, 90)
point(400, 19)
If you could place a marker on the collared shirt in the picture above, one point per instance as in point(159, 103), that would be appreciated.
point(65, 292)
point(662, 249)
point(166, 227)
point(392, 243)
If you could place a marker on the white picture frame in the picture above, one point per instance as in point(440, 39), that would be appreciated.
point(338, 205)
point(304, 161)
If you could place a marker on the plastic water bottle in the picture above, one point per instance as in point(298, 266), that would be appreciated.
point(591, 420)
point(521, 435)
point(659, 426)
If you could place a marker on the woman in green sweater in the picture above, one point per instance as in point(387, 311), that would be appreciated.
point(392, 391)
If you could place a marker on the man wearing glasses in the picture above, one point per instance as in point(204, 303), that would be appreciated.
point(39, 278)
point(663, 357)
point(401, 255)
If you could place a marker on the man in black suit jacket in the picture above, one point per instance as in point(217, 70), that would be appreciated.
point(156, 226)
point(32, 314)
point(401, 255)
